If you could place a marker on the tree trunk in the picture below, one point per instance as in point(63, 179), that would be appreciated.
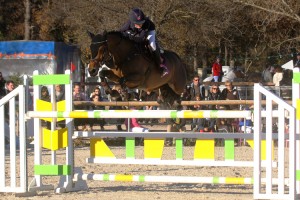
point(204, 62)
point(231, 60)
point(204, 67)
point(27, 20)
point(226, 55)
point(195, 59)
point(220, 47)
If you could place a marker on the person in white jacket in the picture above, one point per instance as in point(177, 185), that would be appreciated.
point(277, 77)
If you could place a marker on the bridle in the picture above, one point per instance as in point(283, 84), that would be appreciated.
point(106, 57)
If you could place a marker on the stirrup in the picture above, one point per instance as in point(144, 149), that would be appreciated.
point(165, 71)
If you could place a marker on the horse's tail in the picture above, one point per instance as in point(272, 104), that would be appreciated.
point(183, 64)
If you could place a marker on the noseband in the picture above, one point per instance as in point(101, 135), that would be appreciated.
point(106, 57)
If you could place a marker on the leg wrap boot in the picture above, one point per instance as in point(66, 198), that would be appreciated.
point(159, 61)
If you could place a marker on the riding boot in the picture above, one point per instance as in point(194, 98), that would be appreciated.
point(160, 61)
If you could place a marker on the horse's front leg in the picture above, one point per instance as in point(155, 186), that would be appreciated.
point(133, 80)
point(109, 75)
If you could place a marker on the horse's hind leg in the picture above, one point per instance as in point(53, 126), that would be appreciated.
point(169, 98)
point(109, 74)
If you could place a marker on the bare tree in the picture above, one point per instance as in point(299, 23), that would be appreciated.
point(278, 19)
point(27, 16)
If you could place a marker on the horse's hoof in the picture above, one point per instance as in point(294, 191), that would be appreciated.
point(159, 101)
point(102, 79)
point(122, 81)
point(177, 102)
point(103, 84)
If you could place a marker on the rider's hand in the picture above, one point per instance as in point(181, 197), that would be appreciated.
point(129, 32)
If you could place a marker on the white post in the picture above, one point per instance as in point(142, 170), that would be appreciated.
point(70, 126)
point(53, 123)
point(296, 96)
point(37, 133)
point(269, 126)
point(257, 143)
point(23, 139)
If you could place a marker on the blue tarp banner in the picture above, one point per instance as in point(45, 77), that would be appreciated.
point(27, 47)
point(23, 57)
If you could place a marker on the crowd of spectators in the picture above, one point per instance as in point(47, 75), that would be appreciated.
point(194, 91)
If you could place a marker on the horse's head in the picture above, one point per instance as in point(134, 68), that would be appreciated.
point(100, 54)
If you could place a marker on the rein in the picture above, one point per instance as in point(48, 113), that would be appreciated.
point(99, 42)
point(106, 50)
point(106, 59)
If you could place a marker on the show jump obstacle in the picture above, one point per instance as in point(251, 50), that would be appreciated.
point(281, 185)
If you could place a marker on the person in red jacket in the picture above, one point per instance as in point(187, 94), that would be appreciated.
point(217, 70)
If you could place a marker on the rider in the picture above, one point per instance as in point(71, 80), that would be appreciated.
point(140, 28)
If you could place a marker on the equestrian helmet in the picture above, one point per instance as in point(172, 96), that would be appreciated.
point(136, 16)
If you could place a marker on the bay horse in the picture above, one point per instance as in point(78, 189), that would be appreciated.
point(131, 65)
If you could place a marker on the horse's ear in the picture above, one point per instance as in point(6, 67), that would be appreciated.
point(90, 34)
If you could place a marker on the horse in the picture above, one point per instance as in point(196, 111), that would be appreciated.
point(131, 65)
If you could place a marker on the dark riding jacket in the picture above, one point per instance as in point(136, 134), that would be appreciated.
point(135, 34)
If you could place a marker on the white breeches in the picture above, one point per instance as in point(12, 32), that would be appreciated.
point(152, 41)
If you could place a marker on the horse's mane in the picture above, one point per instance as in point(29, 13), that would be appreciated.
point(114, 32)
point(103, 36)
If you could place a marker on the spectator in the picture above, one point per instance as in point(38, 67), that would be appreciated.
point(267, 74)
point(213, 95)
point(59, 93)
point(124, 94)
point(133, 123)
point(277, 78)
point(104, 96)
point(2, 83)
point(150, 96)
point(198, 123)
point(297, 63)
point(186, 96)
point(95, 92)
point(59, 96)
point(116, 93)
point(79, 96)
point(45, 96)
point(230, 93)
point(101, 122)
point(217, 70)
point(196, 88)
point(9, 86)
point(175, 125)
point(116, 96)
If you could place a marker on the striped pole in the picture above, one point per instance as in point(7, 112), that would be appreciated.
point(142, 114)
point(163, 179)
point(171, 179)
